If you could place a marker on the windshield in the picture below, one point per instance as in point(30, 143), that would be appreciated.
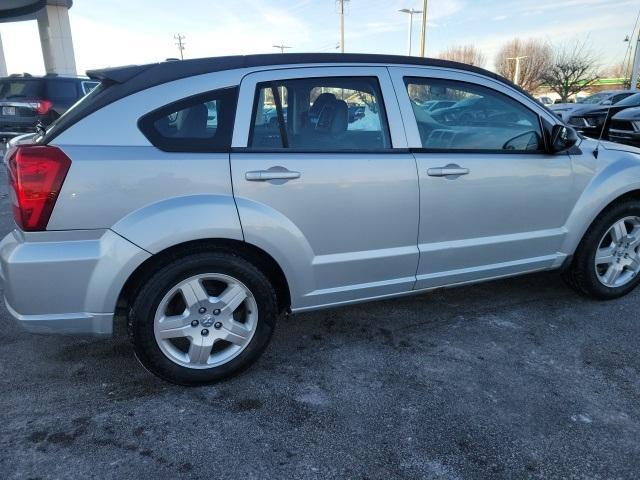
point(630, 101)
point(11, 89)
point(596, 98)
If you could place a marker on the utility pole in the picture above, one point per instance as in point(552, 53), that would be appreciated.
point(423, 31)
point(281, 47)
point(341, 12)
point(516, 75)
point(180, 44)
point(411, 12)
point(636, 65)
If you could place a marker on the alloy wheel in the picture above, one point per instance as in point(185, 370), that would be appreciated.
point(205, 321)
point(617, 259)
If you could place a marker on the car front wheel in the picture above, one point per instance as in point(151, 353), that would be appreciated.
point(607, 262)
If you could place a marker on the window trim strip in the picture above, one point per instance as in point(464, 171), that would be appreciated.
point(283, 129)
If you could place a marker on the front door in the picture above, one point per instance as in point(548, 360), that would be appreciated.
point(324, 182)
point(492, 201)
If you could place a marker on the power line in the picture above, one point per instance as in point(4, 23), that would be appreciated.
point(180, 44)
point(281, 47)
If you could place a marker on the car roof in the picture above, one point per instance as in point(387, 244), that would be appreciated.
point(145, 76)
point(48, 76)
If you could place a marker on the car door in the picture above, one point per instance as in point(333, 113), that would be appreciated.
point(492, 201)
point(332, 196)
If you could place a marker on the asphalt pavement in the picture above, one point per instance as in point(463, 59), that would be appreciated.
point(518, 379)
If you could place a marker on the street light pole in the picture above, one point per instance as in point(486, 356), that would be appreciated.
point(423, 30)
point(636, 66)
point(516, 75)
point(411, 12)
point(341, 12)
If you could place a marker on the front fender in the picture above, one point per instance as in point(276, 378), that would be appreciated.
point(618, 175)
point(164, 224)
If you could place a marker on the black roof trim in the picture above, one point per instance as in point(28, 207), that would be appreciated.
point(118, 74)
point(158, 73)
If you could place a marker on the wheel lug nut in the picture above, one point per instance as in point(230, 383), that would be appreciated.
point(202, 310)
point(216, 311)
point(204, 332)
point(195, 323)
point(217, 325)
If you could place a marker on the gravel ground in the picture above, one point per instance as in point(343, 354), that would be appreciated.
point(516, 379)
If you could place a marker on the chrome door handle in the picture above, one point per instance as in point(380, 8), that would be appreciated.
point(271, 174)
point(449, 170)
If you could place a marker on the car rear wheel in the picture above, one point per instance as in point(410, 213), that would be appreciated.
point(202, 317)
point(607, 262)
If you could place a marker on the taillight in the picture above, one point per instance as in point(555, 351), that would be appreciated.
point(43, 106)
point(36, 174)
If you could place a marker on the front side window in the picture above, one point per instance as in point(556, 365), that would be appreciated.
point(328, 114)
point(471, 117)
point(201, 123)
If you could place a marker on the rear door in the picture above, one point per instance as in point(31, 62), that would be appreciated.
point(492, 201)
point(324, 182)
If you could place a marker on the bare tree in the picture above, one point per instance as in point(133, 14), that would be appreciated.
point(536, 62)
point(464, 54)
point(573, 69)
point(619, 70)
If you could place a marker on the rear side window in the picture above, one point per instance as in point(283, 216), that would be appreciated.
point(475, 118)
point(62, 90)
point(203, 123)
point(16, 89)
point(326, 114)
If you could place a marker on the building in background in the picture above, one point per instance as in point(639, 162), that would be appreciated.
point(54, 29)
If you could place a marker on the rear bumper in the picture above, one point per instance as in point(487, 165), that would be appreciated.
point(66, 282)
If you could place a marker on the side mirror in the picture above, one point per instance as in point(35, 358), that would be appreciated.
point(562, 138)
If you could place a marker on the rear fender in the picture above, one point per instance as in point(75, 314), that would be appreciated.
point(170, 222)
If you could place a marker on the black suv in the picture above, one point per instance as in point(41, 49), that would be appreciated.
point(27, 100)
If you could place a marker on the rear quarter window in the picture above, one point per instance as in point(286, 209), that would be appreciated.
point(62, 90)
point(11, 89)
point(202, 123)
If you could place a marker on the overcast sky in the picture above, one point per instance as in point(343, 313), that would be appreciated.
point(119, 32)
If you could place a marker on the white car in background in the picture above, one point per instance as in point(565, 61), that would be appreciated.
point(545, 100)
point(605, 97)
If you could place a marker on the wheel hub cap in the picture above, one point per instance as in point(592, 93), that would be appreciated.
point(184, 333)
point(617, 259)
point(207, 321)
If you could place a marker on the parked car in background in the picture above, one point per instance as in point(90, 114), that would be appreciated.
point(625, 127)
point(199, 235)
point(593, 120)
point(26, 100)
point(546, 101)
point(607, 97)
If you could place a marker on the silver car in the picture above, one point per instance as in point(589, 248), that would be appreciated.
point(181, 197)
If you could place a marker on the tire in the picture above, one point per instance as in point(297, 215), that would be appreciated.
point(171, 305)
point(590, 279)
